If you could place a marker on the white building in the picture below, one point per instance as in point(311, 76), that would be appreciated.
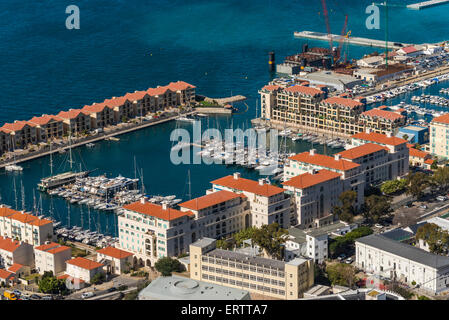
point(14, 251)
point(82, 268)
point(392, 259)
point(51, 257)
point(439, 136)
point(268, 204)
point(24, 227)
point(117, 261)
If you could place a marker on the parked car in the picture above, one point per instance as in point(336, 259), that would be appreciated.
point(9, 295)
point(18, 293)
point(423, 206)
point(441, 198)
point(341, 257)
point(86, 295)
point(111, 289)
point(47, 298)
point(35, 297)
point(349, 260)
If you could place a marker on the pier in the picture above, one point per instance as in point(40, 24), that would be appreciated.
point(352, 40)
point(426, 4)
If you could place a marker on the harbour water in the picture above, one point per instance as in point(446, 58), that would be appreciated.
point(220, 46)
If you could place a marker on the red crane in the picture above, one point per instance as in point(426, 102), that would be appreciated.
point(326, 18)
point(342, 37)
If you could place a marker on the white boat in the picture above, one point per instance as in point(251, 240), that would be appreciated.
point(90, 145)
point(185, 119)
point(13, 167)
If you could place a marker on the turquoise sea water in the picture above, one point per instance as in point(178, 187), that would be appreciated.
point(122, 46)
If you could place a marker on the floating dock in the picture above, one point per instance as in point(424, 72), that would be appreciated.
point(426, 4)
point(352, 40)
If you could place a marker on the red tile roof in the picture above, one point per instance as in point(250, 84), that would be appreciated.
point(9, 244)
point(363, 150)
point(84, 263)
point(6, 212)
point(271, 87)
point(15, 267)
point(16, 126)
point(266, 190)
point(379, 113)
point(209, 200)
point(44, 119)
point(442, 119)
point(157, 91)
point(154, 210)
point(29, 219)
point(96, 107)
point(304, 90)
point(325, 161)
point(72, 113)
point(137, 95)
point(180, 85)
point(418, 153)
point(379, 138)
point(343, 102)
point(307, 180)
point(429, 161)
point(73, 280)
point(409, 49)
point(5, 274)
point(115, 102)
point(115, 252)
point(52, 248)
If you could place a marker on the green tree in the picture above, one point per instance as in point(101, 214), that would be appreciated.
point(346, 211)
point(434, 236)
point(434, 165)
point(376, 207)
point(405, 137)
point(345, 244)
point(416, 184)
point(270, 238)
point(341, 274)
point(98, 278)
point(167, 265)
point(440, 178)
point(244, 234)
point(393, 186)
point(51, 284)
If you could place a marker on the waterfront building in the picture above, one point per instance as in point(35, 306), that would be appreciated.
point(219, 214)
point(15, 251)
point(7, 277)
point(5, 141)
point(381, 256)
point(381, 121)
point(180, 288)
point(350, 172)
point(264, 276)
point(409, 51)
point(439, 136)
point(152, 231)
point(340, 115)
point(338, 81)
point(268, 204)
point(75, 121)
point(51, 257)
point(116, 260)
point(370, 62)
point(83, 269)
point(21, 133)
point(101, 115)
point(123, 108)
point(315, 194)
point(48, 127)
point(185, 93)
point(24, 227)
point(398, 155)
point(414, 134)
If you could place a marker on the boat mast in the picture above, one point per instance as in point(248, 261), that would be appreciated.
point(68, 215)
point(15, 193)
point(135, 168)
point(23, 195)
point(70, 149)
point(51, 162)
point(189, 195)
point(88, 215)
point(81, 216)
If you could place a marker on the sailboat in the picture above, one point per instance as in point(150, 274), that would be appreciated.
point(13, 167)
point(54, 181)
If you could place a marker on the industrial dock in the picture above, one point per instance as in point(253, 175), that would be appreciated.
point(351, 40)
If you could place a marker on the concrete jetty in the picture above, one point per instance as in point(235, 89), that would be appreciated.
point(426, 4)
point(352, 40)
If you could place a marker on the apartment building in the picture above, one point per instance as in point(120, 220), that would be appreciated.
point(381, 121)
point(117, 261)
point(51, 257)
point(219, 214)
point(48, 127)
point(350, 173)
point(268, 204)
point(14, 251)
point(185, 92)
point(392, 259)
point(22, 133)
point(101, 115)
point(123, 109)
point(315, 194)
point(75, 121)
point(83, 269)
point(268, 277)
point(340, 115)
point(151, 231)
point(398, 155)
point(439, 136)
point(24, 227)
point(418, 158)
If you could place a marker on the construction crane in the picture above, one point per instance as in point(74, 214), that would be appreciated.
point(326, 19)
point(342, 37)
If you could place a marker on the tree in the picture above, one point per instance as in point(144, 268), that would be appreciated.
point(393, 186)
point(434, 236)
point(434, 165)
point(51, 284)
point(441, 178)
point(345, 244)
point(341, 274)
point(376, 207)
point(270, 238)
point(405, 137)
point(167, 265)
point(98, 278)
point(416, 184)
point(346, 211)
point(242, 235)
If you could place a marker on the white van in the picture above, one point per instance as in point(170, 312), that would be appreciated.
point(86, 295)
